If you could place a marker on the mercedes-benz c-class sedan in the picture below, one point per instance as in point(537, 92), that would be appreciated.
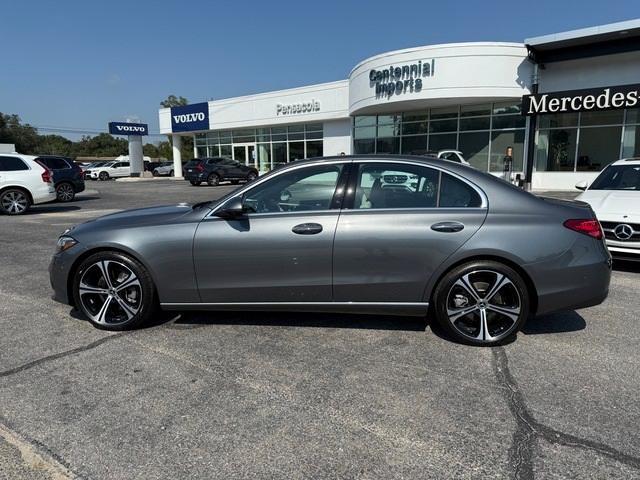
point(368, 234)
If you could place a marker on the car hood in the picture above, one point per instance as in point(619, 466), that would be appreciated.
point(166, 214)
point(613, 204)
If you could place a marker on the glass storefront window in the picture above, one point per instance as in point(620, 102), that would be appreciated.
point(278, 133)
point(264, 156)
point(388, 145)
point(438, 126)
point(367, 121)
point(263, 135)
point(475, 123)
point(414, 128)
point(598, 147)
point(445, 112)
point(417, 116)
point(388, 130)
point(475, 148)
point(388, 119)
point(225, 136)
point(557, 120)
point(364, 132)
point(443, 142)
point(279, 153)
point(314, 149)
point(607, 117)
point(296, 151)
point(201, 152)
point(475, 110)
point(225, 151)
point(506, 107)
point(364, 146)
point(214, 151)
point(633, 115)
point(501, 122)
point(414, 145)
point(631, 141)
point(500, 140)
point(556, 150)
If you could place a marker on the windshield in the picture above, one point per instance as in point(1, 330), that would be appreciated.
point(618, 177)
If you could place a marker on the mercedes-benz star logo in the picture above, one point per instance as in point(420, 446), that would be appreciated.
point(623, 231)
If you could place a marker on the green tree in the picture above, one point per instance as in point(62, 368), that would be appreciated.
point(25, 137)
point(173, 101)
point(150, 150)
point(54, 145)
point(103, 145)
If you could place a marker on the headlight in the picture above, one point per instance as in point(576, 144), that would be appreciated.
point(65, 243)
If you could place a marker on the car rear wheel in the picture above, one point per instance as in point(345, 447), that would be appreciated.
point(104, 176)
point(65, 192)
point(155, 172)
point(14, 201)
point(213, 180)
point(195, 183)
point(114, 291)
point(481, 302)
point(251, 177)
point(171, 173)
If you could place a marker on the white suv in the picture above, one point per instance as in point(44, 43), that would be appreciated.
point(111, 170)
point(23, 182)
point(615, 197)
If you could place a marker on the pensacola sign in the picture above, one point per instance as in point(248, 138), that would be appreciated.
point(188, 118)
point(125, 128)
point(590, 99)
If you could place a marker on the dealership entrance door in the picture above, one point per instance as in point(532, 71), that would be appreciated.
point(245, 153)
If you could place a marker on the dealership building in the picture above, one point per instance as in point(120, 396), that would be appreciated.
point(568, 104)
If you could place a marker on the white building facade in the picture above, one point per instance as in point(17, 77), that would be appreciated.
point(463, 96)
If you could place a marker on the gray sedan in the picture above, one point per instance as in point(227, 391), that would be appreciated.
point(367, 234)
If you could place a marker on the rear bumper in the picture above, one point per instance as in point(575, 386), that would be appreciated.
point(46, 193)
point(195, 177)
point(578, 280)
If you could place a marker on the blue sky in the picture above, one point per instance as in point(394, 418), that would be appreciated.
point(84, 63)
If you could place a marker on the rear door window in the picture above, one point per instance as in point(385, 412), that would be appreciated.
point(456, 193)
point(12, 164)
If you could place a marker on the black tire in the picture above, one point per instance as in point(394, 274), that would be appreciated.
point(155, 172)
point(195, 183)
point(14, 201)
point(251, 176)
point(139, 299)
point(470, 288)
point(103, 176)
point(171, 173)
point(213, 180)
point(65, 192)
point(235, 182)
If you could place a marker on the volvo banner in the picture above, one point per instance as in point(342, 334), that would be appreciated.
point(189, 118)
point(124, 128)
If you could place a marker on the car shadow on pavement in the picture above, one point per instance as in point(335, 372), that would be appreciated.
point(52, 208)
point(626, 266)
point(305, 319)
point(561, 322)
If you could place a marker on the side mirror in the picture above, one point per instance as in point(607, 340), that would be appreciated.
point(232, 209)
point(582, 185)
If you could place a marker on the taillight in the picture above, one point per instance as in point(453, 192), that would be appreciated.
point(589, 227)
point(46, 176)
point(200, 167)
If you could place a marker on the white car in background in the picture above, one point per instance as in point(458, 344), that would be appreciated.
point(23, 182)
point(163, 170)
point(615, 197)
point(111, 170)
point(453, 155)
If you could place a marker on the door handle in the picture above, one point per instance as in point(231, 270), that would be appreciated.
point(307, 229)
point(448, 227)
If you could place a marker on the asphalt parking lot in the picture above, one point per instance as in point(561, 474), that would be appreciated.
point(255, 395)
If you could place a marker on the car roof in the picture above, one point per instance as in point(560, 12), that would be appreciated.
point(628, 161)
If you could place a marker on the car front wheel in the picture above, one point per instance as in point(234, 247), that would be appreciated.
point(104, 176)
point(251, 177)
point(481, 303)
point(14, 201)
point(114, 291)
point(213, 180)
point(65, 192)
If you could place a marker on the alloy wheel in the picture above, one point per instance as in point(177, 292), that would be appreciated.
point(14, 202)
point(484, 305)
point(110, 293)
point(65, 192)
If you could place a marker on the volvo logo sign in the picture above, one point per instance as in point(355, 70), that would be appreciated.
point(125, 128)
point(189, 118)
point(623, 231)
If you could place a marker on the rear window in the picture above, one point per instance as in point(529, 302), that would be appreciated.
point(12, 164)
point(193, 163)
point(54, 163)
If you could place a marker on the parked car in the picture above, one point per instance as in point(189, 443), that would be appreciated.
point(164, 169)
point(329, 235)
point(23, 182)
point(452, 155)
point(87, 169)
point(68, 177)
point(615, 197)
point(217, 169)
point(111, 170)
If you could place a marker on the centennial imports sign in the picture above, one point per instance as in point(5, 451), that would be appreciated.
point(125, 128)
point(587, 100)
point(408, 78)
point(188, 118)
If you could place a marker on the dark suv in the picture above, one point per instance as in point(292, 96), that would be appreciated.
point(68, 178)
point(215, 170)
